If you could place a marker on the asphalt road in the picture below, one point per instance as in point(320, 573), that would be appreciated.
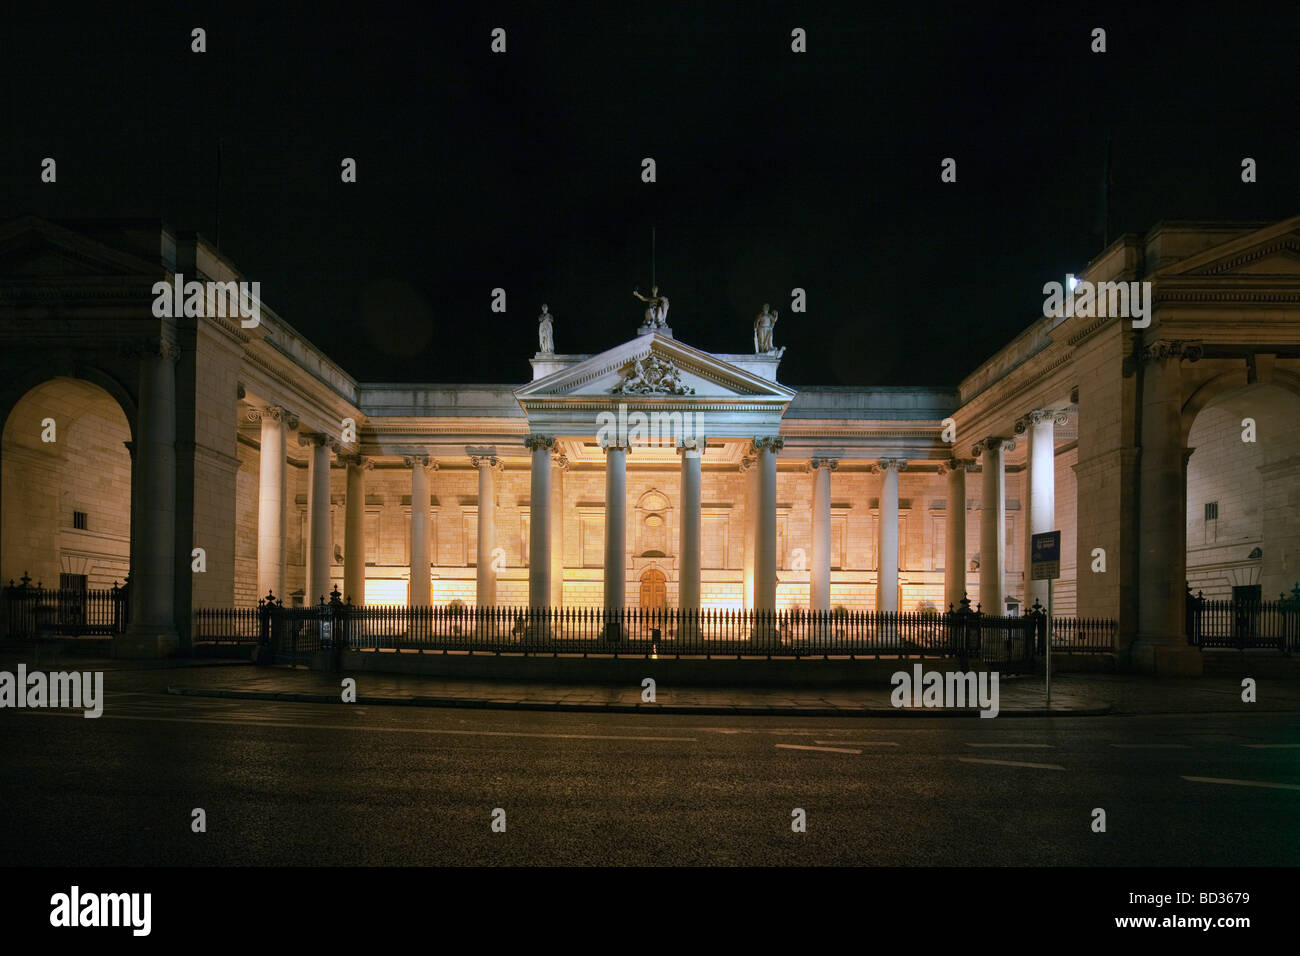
point(284, 783)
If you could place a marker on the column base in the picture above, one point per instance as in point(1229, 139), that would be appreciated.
point(146, 642)
point(1166, 660)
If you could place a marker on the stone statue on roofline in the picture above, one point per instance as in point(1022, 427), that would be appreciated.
point(764, 323)
point(656, 310)
point(544, 331)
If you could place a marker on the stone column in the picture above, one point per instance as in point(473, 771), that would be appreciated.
point(1040, 489)
point(688, 587)
point(1161, 646)
point(486, 594)
point(819, 583)
point(539, 522)
point(954, 575)
point(354, 531)
point(749, 474)
point(152, 631)
point(419, 593)
point(993, 524)
point(765, 558)
point(887, 562)
point(615, 526)
point(561, 465)
point(271, 493)
point(317, 545)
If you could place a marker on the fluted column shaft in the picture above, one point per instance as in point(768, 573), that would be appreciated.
point(954, 575)
point(819, 584)
point(272, 475)
point(354, 533)
point(420, 593)
point(539, 528)
point(887, 563)
point(765, 558)
point(993, 527)
point(615, 526)
point(486, 595)
point(318, 519)
point(689, 583)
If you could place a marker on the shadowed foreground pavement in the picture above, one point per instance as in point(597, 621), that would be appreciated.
point(291, 783)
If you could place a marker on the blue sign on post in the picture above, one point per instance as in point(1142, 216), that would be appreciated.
point(1045, 556)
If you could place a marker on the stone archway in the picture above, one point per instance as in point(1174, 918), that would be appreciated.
point(65, 506)
point(1243, 490)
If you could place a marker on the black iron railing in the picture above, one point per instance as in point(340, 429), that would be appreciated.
point(295, 634)
point(1244, 623)
point(30, 613)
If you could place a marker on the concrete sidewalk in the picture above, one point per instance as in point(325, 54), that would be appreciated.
point(1073, 695)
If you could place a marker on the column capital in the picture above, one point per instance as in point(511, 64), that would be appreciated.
point(318, 440)
point(1032, 418)
point(151, 347)
point(696, 445)
point(830, 464)
point(885, 464)
point(560, 460)
point(957, 464)
point(535, 442)
point(275, 413)
point(357, 461)
point(1177, 349)
point(422, 461)
point(768, 443)
point(490, 462)
point(992, 443)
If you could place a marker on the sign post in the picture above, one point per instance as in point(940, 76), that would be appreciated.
point(1045, 565)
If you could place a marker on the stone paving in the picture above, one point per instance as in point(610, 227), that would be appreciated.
point(1072, 694)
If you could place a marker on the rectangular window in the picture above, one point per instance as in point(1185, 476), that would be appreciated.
point(1211, 511)
point(79, 520)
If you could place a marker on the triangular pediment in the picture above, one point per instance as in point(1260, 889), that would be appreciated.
point(1272, 251)
point(653, 368)
point(35, 248)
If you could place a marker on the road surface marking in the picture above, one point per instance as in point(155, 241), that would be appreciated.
point(1271, 746)
point(395, 730)
point(829, 750)
point(1153, 746)
point(1015, 746)
point(1013, 763)
point(856, 743)
point(1245, 783)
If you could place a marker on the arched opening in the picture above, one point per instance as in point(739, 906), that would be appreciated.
point(1243, 508)
point(65, 495)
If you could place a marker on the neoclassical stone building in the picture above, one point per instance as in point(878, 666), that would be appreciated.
point(652, 473)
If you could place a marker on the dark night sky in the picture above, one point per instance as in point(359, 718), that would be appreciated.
point(775, 170)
